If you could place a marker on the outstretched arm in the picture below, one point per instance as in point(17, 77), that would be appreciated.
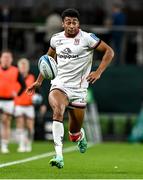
point(106, 59)
point(31, 89)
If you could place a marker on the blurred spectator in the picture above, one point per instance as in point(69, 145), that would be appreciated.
point(5, 14)
point(9, 76)
point(24, 111)
point(53, 26)
point(117, 18)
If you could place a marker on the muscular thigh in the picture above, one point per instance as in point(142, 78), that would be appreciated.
point(76, 117)
point(57, 98)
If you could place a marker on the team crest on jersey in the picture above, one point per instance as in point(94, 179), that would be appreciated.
point(76, 41)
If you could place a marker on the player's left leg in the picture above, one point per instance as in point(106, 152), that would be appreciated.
point(76, 132)
point(21, 135)
point(29, 113)
point(30, 134)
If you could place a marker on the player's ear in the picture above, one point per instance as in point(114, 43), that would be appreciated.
point(62, 24)
point(78, 24)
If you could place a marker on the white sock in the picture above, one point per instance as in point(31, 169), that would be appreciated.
point(4, 143)
point(21, 136)
point(83, 133)
point(58, 134)
point(30, 135)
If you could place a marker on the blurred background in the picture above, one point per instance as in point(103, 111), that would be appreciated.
point(114, 111)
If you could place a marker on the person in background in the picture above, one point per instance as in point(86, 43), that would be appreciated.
point(53, 25)
point(5, 14)
point(24, 110)
point(9, 76)
point(118, 19)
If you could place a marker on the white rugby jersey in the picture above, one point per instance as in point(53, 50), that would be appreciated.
point(74, 58)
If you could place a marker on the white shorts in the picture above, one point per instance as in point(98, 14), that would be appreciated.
point(7, 106)
point(77, 97)
point(27, 111)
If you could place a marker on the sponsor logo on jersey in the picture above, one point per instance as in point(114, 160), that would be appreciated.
point(76, 41)
point(67, 54)
point(66, 51)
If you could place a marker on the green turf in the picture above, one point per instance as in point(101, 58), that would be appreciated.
point(102, 161)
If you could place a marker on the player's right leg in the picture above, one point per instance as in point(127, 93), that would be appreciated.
point(20, 128)
point(5, 132)
point(7, 107)
point(58, 102)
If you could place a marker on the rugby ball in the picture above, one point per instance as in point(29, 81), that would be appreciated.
point(47, 67)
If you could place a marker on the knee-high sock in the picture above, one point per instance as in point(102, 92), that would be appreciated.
point(58, 134)
point(30, 135)
point(4, 143)
point(21, 135)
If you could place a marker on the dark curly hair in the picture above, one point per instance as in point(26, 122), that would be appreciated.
point(71, 12)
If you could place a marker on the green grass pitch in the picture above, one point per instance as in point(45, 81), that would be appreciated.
point(101, 161)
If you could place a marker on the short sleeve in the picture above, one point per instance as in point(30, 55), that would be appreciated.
point(93, 40)
point(52, 43)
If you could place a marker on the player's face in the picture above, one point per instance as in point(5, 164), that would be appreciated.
point(71, 26)
point(6, 59)
point(23, 68)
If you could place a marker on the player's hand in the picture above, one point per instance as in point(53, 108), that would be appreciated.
point(93, 76)
point(31, 89)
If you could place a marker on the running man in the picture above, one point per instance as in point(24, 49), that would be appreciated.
point(24, 110)
point(9, 76)
point(74, 51)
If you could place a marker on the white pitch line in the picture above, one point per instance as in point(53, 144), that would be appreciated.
point(33, 158)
